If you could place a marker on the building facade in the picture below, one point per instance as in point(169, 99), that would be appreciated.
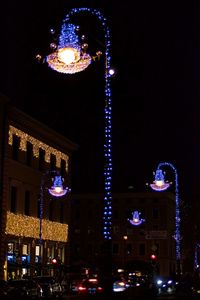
point(149, 244)
point(30, 154)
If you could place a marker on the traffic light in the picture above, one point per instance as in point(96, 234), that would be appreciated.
point(54, 261)
point(153, 259)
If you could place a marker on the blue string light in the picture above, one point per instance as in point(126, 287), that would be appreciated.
point(177, 235)
point(107, 213)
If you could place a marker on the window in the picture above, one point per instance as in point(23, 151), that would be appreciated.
point(129, 249)
point(15, 147)
point(52, 162)
point(115, 248)
point(41, 160)
point(29, 153)
point(13, 199)
point(115, 213)
point(63, 167)
point(61, 212)
point(51, 211)
point(37, 250)
point(24, 249)
point(38, 207)
point(155, 213)
point(142, 249)
point(27, 203)
point(10, 248)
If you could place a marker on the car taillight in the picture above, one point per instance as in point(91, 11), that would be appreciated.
point(82, 288)
point(100, 288)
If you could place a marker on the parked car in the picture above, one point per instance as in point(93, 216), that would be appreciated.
point(3, 289)
point(50, 287)
point(23, 288)
point(166, 286)
point(89, 286)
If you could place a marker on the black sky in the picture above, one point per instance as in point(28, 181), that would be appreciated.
point(155, 50)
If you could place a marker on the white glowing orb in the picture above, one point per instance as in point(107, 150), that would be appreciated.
point(68, 55)
point(159, 182)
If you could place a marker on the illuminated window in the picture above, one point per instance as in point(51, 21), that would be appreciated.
point(37, 250)
point(24, 249)
point(10, 248)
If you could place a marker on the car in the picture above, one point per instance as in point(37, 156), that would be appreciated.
point(89, 286)
point(166, 286)
point(51, 288)
point(23, 288)
point(3, 289)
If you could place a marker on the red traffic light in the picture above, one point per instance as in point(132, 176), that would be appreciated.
point(54, 261)
point(153, 256)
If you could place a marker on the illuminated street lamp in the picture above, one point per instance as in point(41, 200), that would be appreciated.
point(56, 190)
point(136, 220)
point(160, 184)
point(69, 57)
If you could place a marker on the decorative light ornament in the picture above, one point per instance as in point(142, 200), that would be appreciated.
point(69, 57)
point(159, 183)
point(136, 221)
point(79, 61)
point(57, 189)
point(159, 177)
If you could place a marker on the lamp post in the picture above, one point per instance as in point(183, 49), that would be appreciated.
point(56, 190)
point(70, 57)
point(160, 184)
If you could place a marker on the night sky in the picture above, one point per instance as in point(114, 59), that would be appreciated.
point(156, 54)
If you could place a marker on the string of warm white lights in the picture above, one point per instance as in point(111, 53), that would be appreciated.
point(26, 226)
point(68, 41)
point(24, 138)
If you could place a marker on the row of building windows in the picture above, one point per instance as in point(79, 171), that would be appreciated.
point(27, 202)
point(117, 249)
point(117, 213)
point(41, 158)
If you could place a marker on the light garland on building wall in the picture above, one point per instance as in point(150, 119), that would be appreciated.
point(26, 226)
point(24, 138)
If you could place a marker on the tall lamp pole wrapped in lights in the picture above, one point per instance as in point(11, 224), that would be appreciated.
point(69, 56)
point(160, 184)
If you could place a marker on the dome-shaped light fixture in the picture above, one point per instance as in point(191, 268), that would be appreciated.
point(136, 219)
point(57, 189)
point(159, 183)
point(69, 57)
